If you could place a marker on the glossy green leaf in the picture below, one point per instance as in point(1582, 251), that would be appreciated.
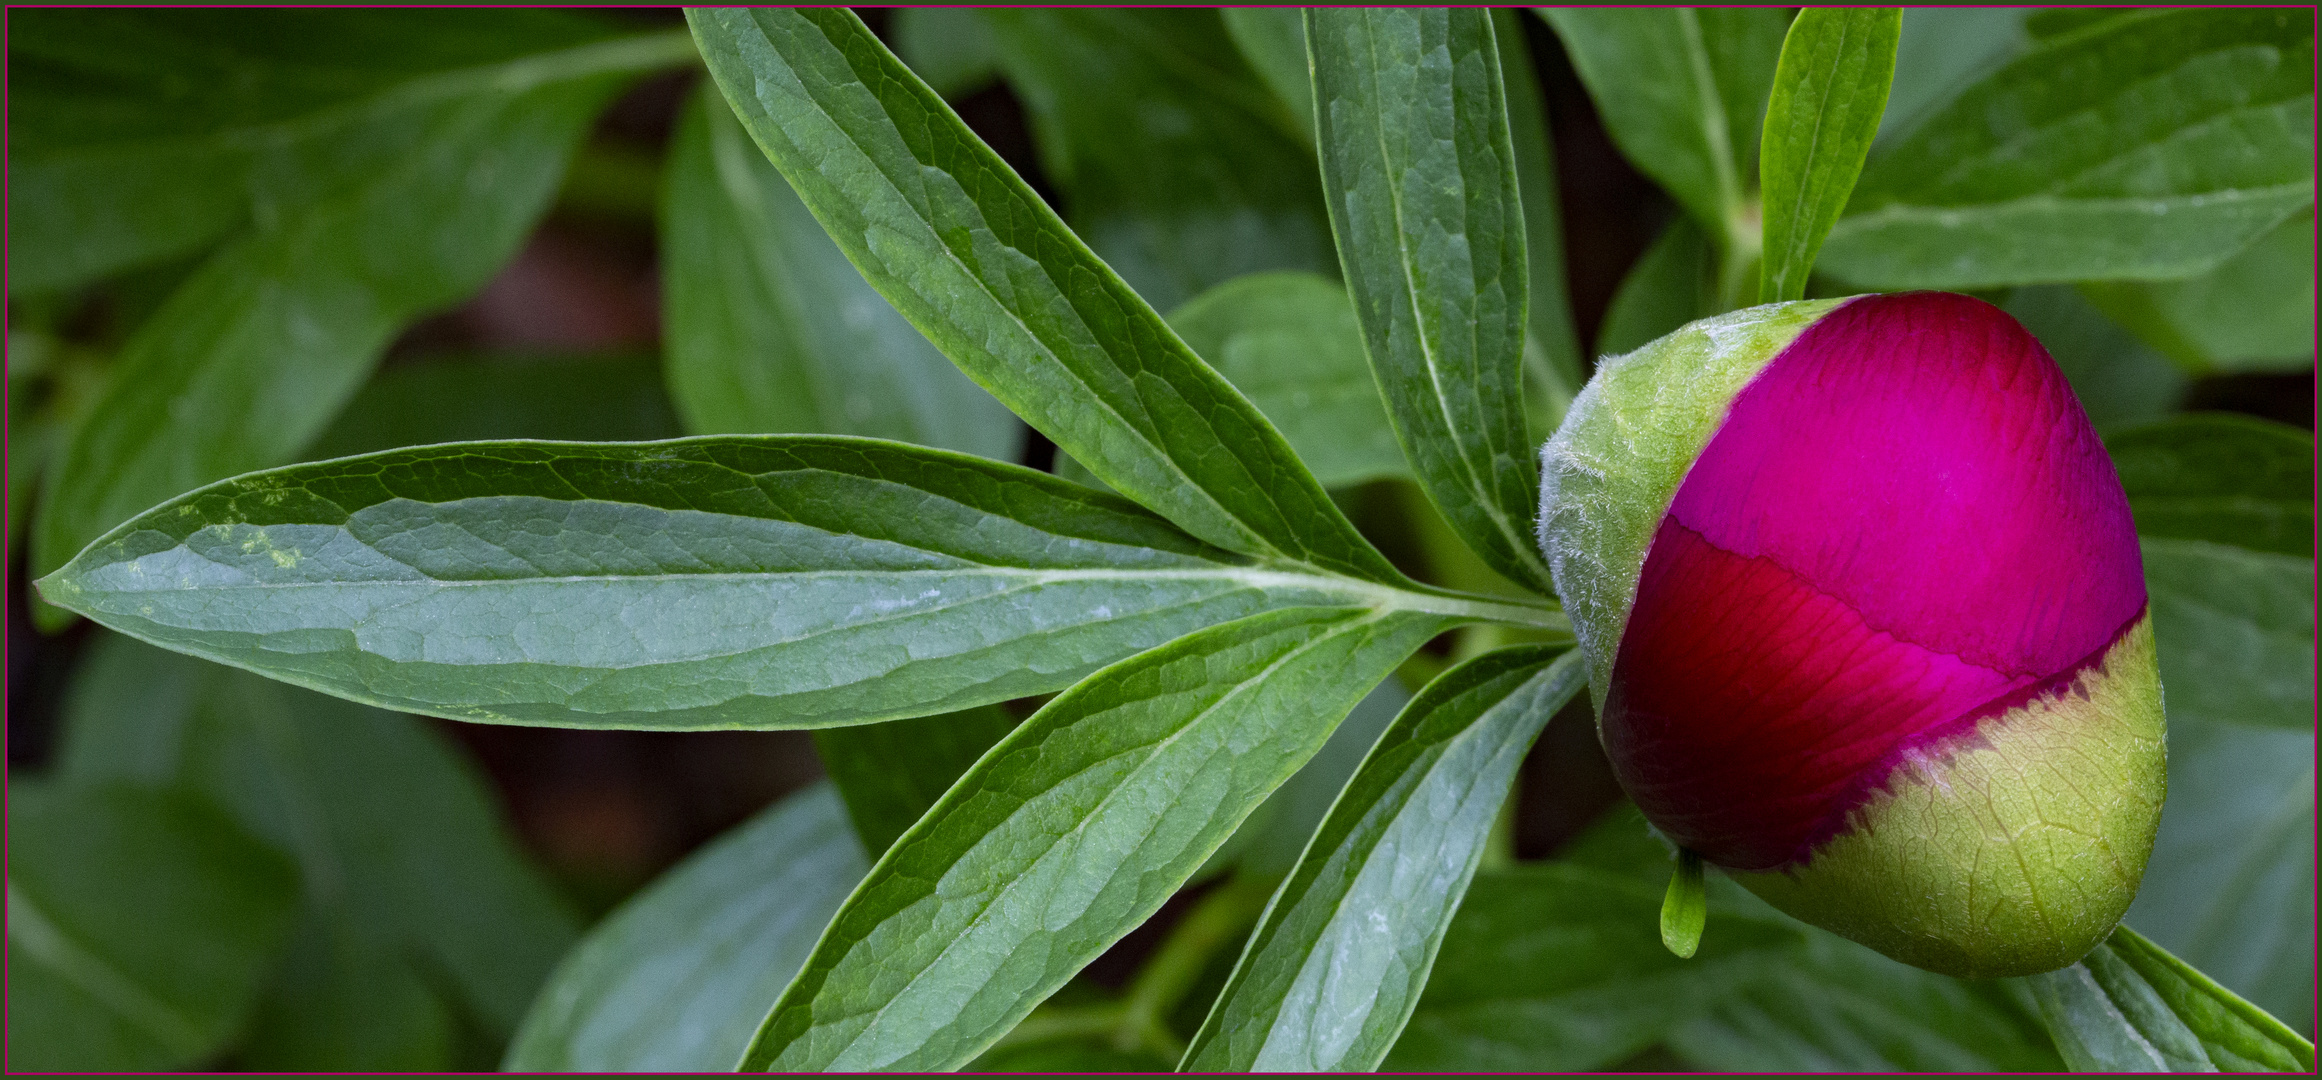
point(1272, 838)
point(1289, 340)
point(1673, 283)
point(2153, 146)
point(2230, 887)
point(2120, 380)
point(2220, 477)
point(471, 398)
point(1682, 92)
point(140, 927)
point(1552, 365)
point(1829, 94)
point(2131, 1007)
point(1416, 157)
point(1178, 167)
point(1069, 834)
point(1839, 1007)
point(890, 774)
point(951, 48)
point(768, 582)
point(2235, 630)
point(422, 916)
point(678, 979)
point(2255, 312)
point(965, 250)
point(140, 136)
point(1272, 40)
point(249, 359)
point(1553, 967)
point(771, 330)
point(1345, 948)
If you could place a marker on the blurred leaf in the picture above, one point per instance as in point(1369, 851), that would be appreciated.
point(952, 237)
point(50, 387)
point(1839, 1007)
point(771, 330)
point(1552, 967)
point(951, 48)
point(470, 398)
point(2236, 632)
point(140, 925)
point(2131, 1007)
point(2148, 146)
point(1829, 93)
point(679, 977)
point(2119, 379)
point(137, 136)
point(889, 774)
point(1673, 283)
point(1335, 968)
point(1418, 164)
point(2220, 477)
point(1552, 364)
point(1940, 52)
point(1289, 340)
point(1068, 1058)
point(413, 886)
point(1178, 167)
point(1272, 41)
point(2056, 22)
point(1683, 92)
point(2231, 884)
point(249, 359)
point(1069, 834)
point(765, 582)
point(2255, 312)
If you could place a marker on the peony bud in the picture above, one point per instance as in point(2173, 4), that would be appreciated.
point(1866, 623)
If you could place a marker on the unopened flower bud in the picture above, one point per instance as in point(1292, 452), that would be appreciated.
point(1866, 623)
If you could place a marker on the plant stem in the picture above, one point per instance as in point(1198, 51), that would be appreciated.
point(1220, 919)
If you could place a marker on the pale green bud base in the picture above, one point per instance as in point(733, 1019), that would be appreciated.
point(2011, 851)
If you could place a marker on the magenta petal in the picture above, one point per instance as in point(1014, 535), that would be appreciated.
point(1904, 519)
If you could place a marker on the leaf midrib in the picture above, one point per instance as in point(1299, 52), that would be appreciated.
point(1157, 749)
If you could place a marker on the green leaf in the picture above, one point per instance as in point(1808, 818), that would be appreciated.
point(1830, 92)
point(422, 914)
point(2255, 312)
point(1683, 92)
point(1673, 283)
point(1070, 833)
point(2230, 887)
point(766, 582)
point(1339, 960)
point(890, 774)
point(249, 359)
point(1413, 124)
point(1942, 51)
point(951, 48)
point(771, 330)
point(678, 979)
point(141, 136)
point(1271, 839)
point(2235, 630)
point(965, 250)
point(2148, 146)
point(140, 927)
point(1554, 967)
point(2131, 1007)
point(470, 398)
point(2120, 380)
point(1289, 340)
point(1272, 40)
point(1685, 908)
point(1178, 166)
point(2220, 477)
point(1552, 348)
point(1839, 1007)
